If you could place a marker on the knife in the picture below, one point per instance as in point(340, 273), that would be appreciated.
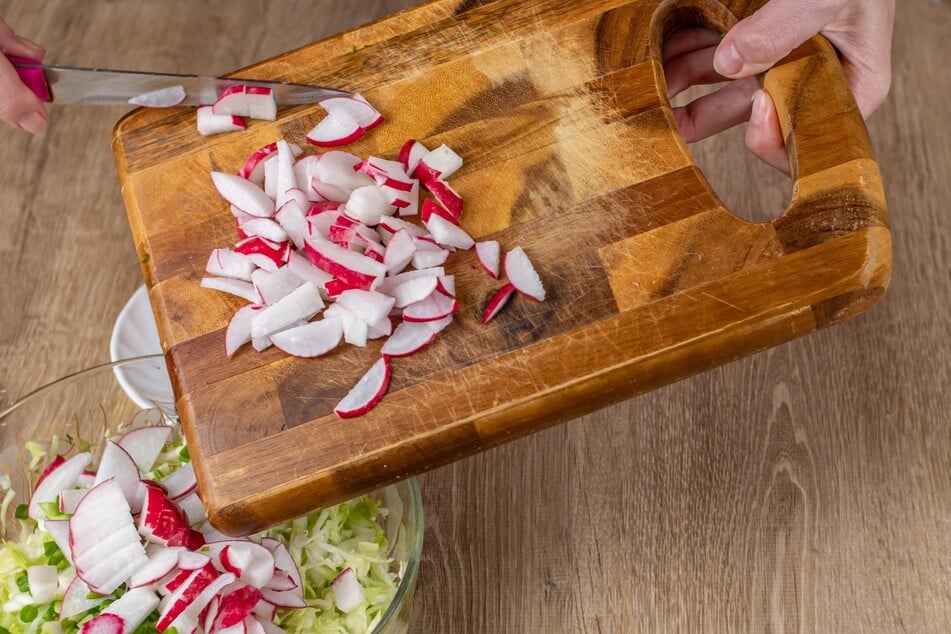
point(99, 86)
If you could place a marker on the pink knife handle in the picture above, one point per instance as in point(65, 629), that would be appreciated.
point(34, 78)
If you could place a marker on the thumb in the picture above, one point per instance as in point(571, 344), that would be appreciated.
point(758, 42)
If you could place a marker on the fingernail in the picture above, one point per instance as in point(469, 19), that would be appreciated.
point(33, 122)
point(758, 114)
point(727, 60)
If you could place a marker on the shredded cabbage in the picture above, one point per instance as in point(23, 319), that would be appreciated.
point(323, 544)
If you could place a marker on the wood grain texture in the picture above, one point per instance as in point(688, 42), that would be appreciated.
point(804, 488)
point(545, 155)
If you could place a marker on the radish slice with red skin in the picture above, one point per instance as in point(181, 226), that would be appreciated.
point(432, 208)
point(386, 172)
point(117, 464)
point(310, 340)
point(104, 624)
point(489, 253)
point(429, 255)
point(410, 154)
point(239, 328)
point(300, 266)
point(161, 98)
point(253, 168)
point(351, 268)
point(389, 226)
point(180, 482)
point(497, 302)
point(414, 290)
point(349, 108)
point(446, 196)
point(277, 252)
point(368, 306)
point(399, 252)
point(292, 219)
point(228, 263)
point(435, 307)
point(264, 228)
point(161, 562)
point(78, 598)
point(233, 100)
point(299, 305)
point(367, 392)
point(261, 103)
point(447, 285)
point(440, 163)
point(409, 338)
point(273, 287)
point(335, 130)
point(347, 591)
point(522, 275)
point(243, 194)
point(62, 477)
point(209, 123)
point(132, 608)
point(448, 234)
point(339, 168)
point(239, 288)
point(144, 444)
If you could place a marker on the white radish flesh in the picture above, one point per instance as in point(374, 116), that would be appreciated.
point(522, 275)
point(367, 392)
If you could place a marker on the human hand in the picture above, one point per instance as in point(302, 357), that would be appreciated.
point(19, 107)
point(860, 30)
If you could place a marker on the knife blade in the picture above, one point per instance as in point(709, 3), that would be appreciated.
point(101, 86)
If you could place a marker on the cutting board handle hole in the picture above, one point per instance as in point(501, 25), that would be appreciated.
point(690, 31)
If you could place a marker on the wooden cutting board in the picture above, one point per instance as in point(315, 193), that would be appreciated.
point(560, 112)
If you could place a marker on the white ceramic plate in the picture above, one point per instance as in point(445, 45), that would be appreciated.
point(135, 335)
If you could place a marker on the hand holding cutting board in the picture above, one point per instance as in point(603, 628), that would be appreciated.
point(860, 30)
point(19, 107)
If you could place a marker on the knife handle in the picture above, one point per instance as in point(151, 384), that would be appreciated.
point(33, 78)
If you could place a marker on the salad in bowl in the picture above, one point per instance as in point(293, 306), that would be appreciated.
point(104, 532)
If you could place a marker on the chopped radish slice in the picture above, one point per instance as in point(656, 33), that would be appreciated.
point(132, 608)
point(253, 168)
point(104, 624)
point(347, 591)
point(228, 263)
point(239, 328)
point(440, 163)
point(232, 101)
point(449, 234)
point(63, 476)
point(414, 290)
point(522, 275)
point(239, 288)
point(488, 253)
point(408, 338)
point(358, 110)
point(387, 173)
point(273, 287)
point(340, 169)
point(261, 103)
point(118, 465)
point(368, 204)
point(162, 561)
point(209, 123)
point(410, 154)
point(78, 598)
point(399, 251)
point(300, 305)
point(335, 130)
point(367, 392)
point(105, 545)
point(432, 208)
point(277, 252)
point(161, 98)
point(310, 340)
point(243, 194)
point(435, 307)
point(351, 268)
point(446, 196)
point(265, 228)
point(497, 302)
point(368, 306)
point(144, 444)
point(180, 482)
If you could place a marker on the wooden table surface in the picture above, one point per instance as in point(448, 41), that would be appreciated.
point(807, 488)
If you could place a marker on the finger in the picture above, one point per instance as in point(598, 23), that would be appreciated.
point(686, 40)
point(717, 111)
point(689, 70)
point(864, 42)
point(764, 137)
point(761, 40)
point(19, 107)
point(13, 44)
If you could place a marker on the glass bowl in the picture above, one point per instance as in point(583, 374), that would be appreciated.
point(93, 405)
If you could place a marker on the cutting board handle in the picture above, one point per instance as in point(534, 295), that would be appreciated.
point(827, 142)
